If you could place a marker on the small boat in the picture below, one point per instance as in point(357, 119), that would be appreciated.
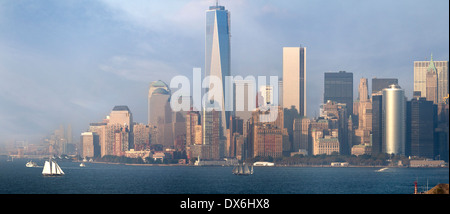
point(31, 164)
point(380, 170)
point(82, 165)
point(51, 168)
point(242, 169)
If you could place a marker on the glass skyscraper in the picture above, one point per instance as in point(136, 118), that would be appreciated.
point(338, 87)
point(217, 56)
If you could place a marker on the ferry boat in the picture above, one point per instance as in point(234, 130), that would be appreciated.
point(31, 164)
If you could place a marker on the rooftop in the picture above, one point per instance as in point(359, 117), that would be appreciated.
point(121, 108)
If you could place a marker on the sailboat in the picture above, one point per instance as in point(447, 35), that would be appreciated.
point(51, 168)
point(242, 169)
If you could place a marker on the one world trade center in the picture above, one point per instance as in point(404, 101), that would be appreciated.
point(217, 59)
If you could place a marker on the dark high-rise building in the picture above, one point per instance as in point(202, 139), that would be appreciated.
point(377, 128)
point(338, 87)
point(420, 128)
point(378, 84)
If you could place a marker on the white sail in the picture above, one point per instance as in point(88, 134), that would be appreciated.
point(246, 170)
point(59, 170)
point(52, 168)
point(46, 170)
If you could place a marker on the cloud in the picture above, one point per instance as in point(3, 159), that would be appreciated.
point(139, 69)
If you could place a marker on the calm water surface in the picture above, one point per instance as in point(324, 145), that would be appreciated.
point(97, 178)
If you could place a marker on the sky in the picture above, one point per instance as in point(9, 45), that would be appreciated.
point(72, 61)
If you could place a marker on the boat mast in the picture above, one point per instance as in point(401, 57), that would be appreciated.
point(50, 162)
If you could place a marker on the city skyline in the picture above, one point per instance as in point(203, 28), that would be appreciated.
point(76, 88)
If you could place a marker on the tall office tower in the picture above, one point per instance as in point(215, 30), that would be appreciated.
point(235, 132)
point(161, 90)
point(210, 134)
point(217, 57)
point(244, 99)
point(160, 113)
point(378, 84)
point(118, 131)
point(192, 120)
point(90, 142)
point(394, 120)
point(377, 127)
point(338, 87)
point(121, 115)
point(364, 112)
point(193, 134)
point(266, 92)
point(100, 129)
point(363, 94)
point(420, 128)
point(432, 84)
point(294, 78)
point(280, 92)
point(420, 77)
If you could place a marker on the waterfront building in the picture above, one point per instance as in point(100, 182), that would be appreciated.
point(378, 84)
point(336, 114)
point(90, 143)
point(362, 149)
point(266, 138)
point(120, 139)
point(394, 120)
point(236, 129)
point(217, 58)
point(338, 87)
point(442, 130)
point(100, 130)
point(301, 135)
point(421, 69)
point(294, 79)
point(325, 141)
point(142, 137)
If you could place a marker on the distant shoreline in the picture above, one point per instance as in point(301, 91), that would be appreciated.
point(300, 166)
